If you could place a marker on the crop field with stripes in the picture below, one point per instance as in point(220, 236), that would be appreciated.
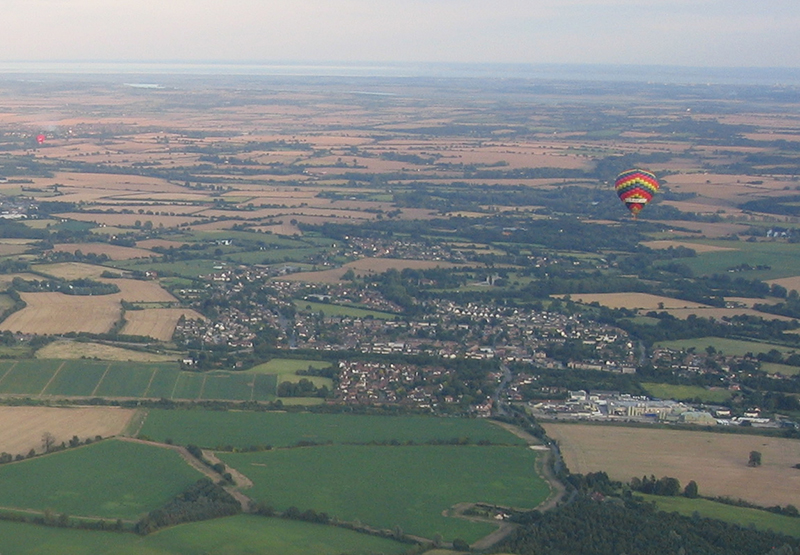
point(91, 378)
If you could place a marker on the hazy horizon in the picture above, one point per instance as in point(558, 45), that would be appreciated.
point(556, 72)
point(691, 33)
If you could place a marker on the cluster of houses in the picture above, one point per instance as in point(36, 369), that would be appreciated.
point(252, 302)
point(399, 248)
point(385, 383)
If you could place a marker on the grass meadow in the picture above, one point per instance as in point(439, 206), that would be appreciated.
point(238, 535)
point(686, 392)
point(383, 486)
point(110, 479)
point(281, 429)
point(742, 516)
point(340, 310)
point(778, 259)
point(726, 346)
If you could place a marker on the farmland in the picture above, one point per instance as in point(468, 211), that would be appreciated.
point(66, 349)
point(340, 310)
point(23, 427)
point(717, 462)
point(92, 378)
point(55, 313)
point(283, 429)
point(158, 323)
point(426, 480)
point(232, 535)
point(686, 392)
point(104, 480)
point(724, 345)
point(742, 516)
point(448, 225)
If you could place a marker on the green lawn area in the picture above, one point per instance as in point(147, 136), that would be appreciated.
point(286, 366)
point(742, 516)
point(775, 368)
point(385, 486)
point(238, 535)
point(686, 392)
point(339, 310)
point(736, 347)
point(110, 479)
point(281, 429)
point(783, 259)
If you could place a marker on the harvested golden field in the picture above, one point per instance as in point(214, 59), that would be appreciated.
point(140, 291)
point(107, 183)
point(697, 247)
point(54, 313)
point(717, 462)
point(71, 270)
point(67, 349)
point(789, 283)
point(158, 323)
point(113, 252)
point(8, 249)
point(23, 427)
point(643, 301)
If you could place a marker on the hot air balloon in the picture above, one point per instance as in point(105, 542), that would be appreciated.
point(636, 188)
point(40, 139)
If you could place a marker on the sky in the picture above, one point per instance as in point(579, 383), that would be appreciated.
point(698, 33)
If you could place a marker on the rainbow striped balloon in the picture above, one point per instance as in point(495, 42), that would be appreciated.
point(636, 188)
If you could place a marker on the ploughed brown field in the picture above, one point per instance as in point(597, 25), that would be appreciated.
point(716, 461)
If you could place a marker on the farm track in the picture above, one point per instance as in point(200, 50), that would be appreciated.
point(243, 500)
point(542, 466)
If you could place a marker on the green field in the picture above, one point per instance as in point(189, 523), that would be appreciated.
point(742, 516)
point(775, 368)
point(110, 479)
point(273, 256)
point(285, 370)
point(182, 268)
point(339, 310)
point(90, 378)
point(281, 429)
point(686, 392)
point(783, 259)
point(735, 347)
point(406, 486)
point(28, 377)
point(238, 535)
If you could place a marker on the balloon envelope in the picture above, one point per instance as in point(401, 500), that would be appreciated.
point(636, 188)
point(40, 139)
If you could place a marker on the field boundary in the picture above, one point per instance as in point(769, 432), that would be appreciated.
point(96, 387)
point(53, 377)
point(10, 368)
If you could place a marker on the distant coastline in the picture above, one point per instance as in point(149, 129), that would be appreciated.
point(556, 72)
